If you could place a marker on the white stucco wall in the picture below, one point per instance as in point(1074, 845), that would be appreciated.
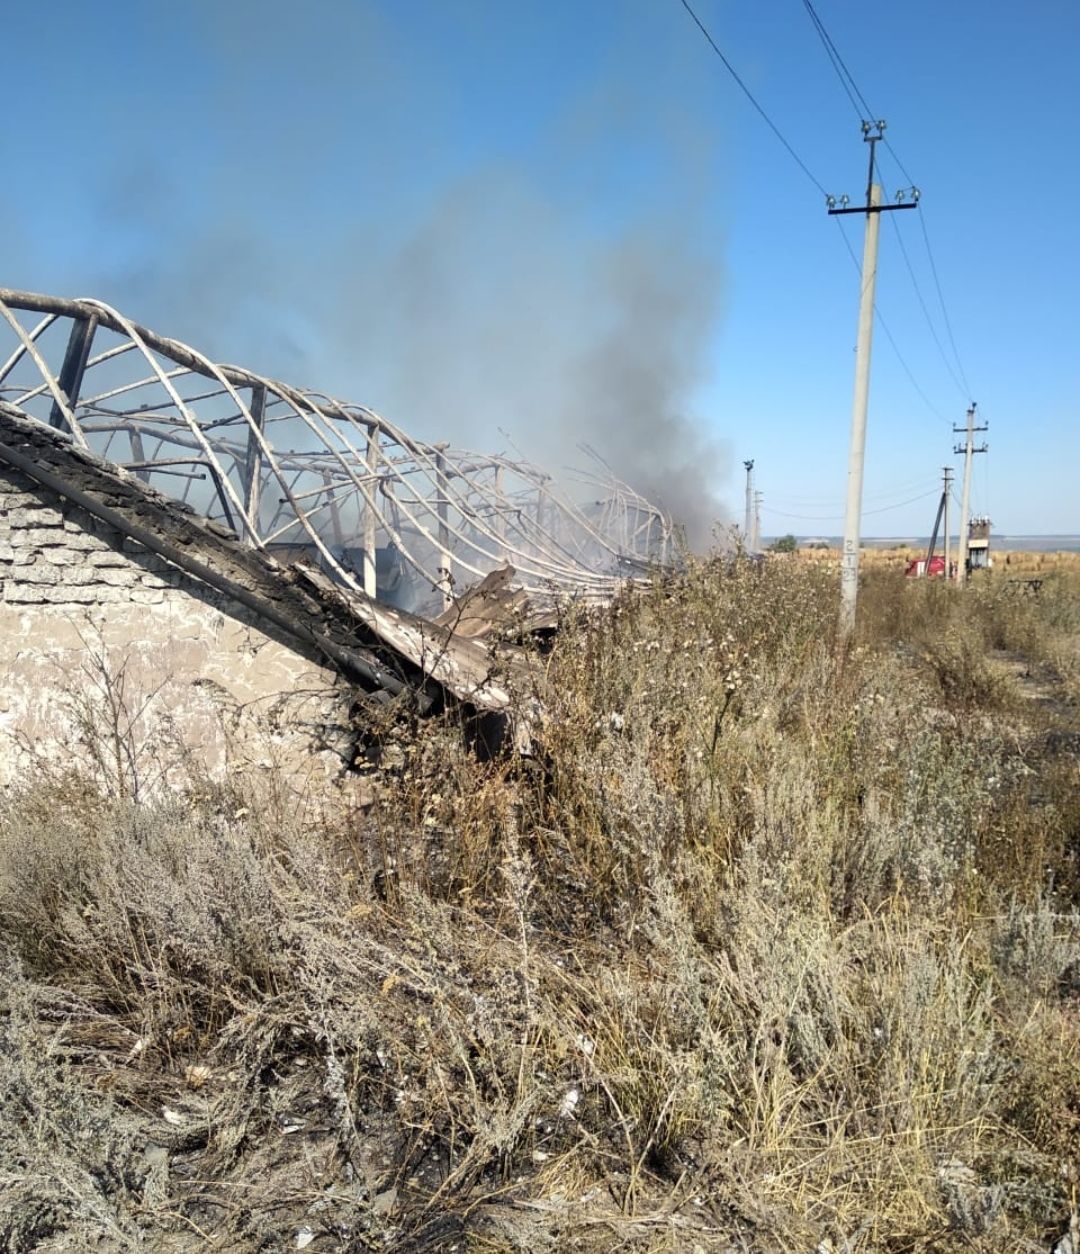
point(112, 660)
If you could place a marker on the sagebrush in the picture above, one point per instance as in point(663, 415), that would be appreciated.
point(772, 943)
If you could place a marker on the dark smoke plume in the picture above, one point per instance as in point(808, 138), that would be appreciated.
point(495, 315)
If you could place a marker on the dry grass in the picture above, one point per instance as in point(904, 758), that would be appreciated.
point(1008, 563)
point(772, 945)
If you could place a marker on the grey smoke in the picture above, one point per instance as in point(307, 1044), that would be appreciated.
point(497, 315)
point(549, 295)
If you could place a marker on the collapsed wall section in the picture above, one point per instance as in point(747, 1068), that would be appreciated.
point(115, 660)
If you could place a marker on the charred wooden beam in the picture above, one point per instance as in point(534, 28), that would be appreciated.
point(74, 367)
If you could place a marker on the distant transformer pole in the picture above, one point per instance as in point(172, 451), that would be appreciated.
point(748, 526)
point(968, 449)
point(849, 562)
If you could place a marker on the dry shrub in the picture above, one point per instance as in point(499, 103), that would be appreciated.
point(770, 943)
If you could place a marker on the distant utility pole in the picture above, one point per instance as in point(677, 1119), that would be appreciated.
point(941, 509)
point(757, 521)
point(968, 450)
point(748, 529)
point(946, 489)
point(849, 563)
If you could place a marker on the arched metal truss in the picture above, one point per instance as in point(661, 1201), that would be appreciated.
point(300, 474)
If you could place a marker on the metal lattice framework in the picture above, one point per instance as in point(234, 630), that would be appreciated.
point(298, 473)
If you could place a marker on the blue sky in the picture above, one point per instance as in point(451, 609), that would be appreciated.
point(548, 223)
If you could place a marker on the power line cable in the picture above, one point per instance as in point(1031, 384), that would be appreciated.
point(865, 113)
point(889, 336)
point(885, 509)
point(750, 96)
point(907, 369)
point(941, 299)
point(807, 502)
point(965, 392)
point(895, 157)
point(934, 271)
point(857, 98)
point(900, 505)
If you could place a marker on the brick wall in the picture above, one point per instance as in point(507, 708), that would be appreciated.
point(207, 688)
point(52, 555)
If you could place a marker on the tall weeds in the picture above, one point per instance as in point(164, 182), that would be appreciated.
point(770, 942)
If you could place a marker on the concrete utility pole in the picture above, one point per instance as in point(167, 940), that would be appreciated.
point(873, 209)
point(757, 521)
point(933, 537)
point(946, 488)
point(965, 499)
point(748, 527)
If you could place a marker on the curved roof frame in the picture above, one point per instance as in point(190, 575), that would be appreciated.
point(282, 466)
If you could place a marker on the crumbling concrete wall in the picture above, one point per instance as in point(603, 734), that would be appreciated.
point(113, 660)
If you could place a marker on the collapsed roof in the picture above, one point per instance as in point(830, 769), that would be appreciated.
point(300, 475)
point(377, 648)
